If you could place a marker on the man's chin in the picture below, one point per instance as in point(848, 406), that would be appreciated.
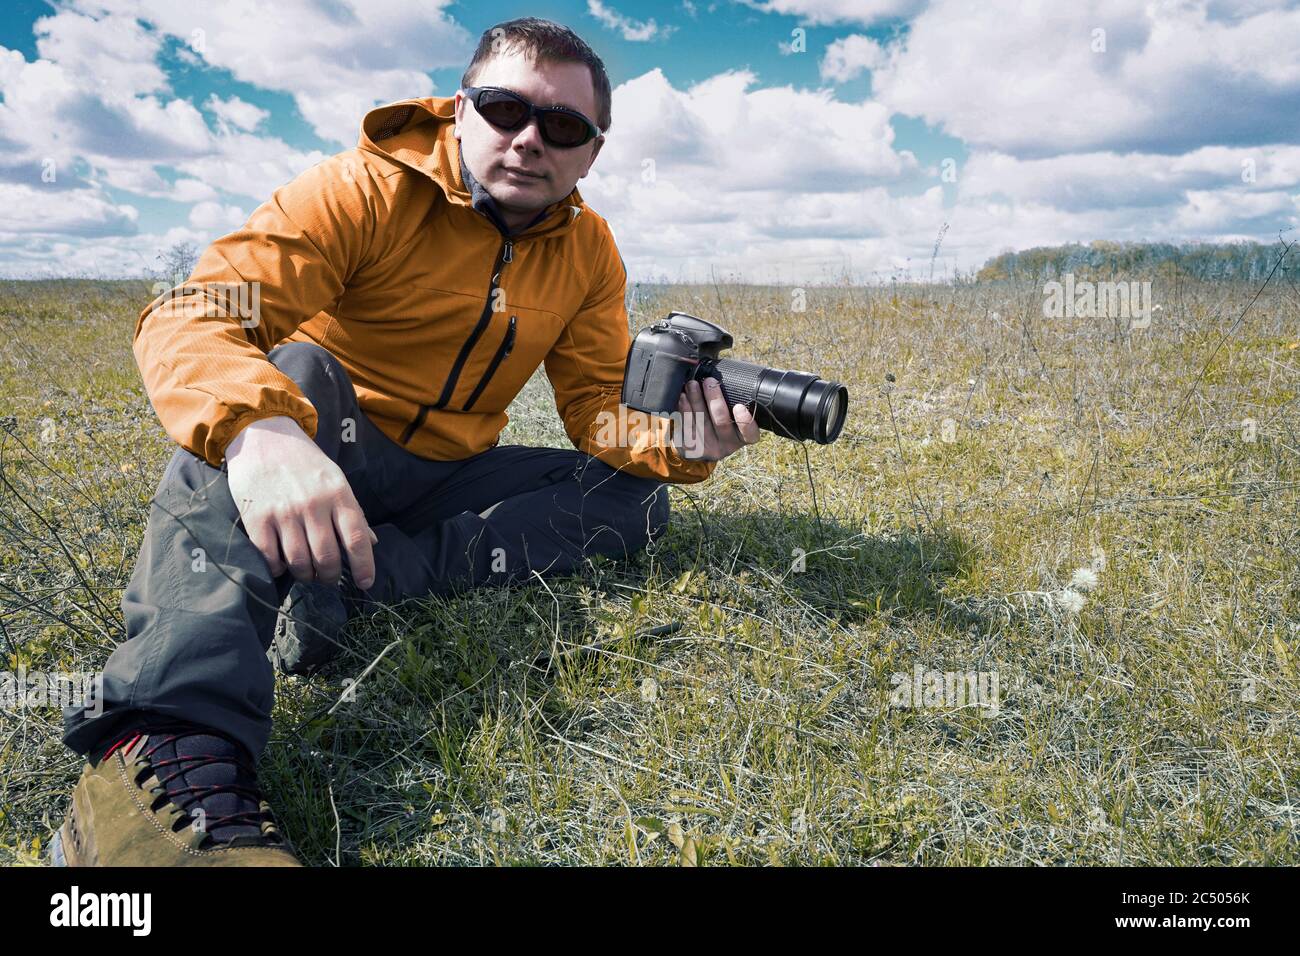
point(510, 188)
point(521, 199)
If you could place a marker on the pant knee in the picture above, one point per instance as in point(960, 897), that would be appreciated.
point(635, 508)
point(325, 383)
point(660, 512)
point(651, 514)
point(313, 367)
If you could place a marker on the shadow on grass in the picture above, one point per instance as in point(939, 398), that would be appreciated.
point(477, 679)
point(420, 736)
point(830, 565)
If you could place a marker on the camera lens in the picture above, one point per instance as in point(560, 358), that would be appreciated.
point(832, 408)
point(795, 405)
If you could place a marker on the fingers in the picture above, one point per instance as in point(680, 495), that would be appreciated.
point(700, 438)
point(356, 537)
point(287, 546)
point(735, 426)
point(680, 428)
point(685, 434)
point(326, 554)
point(722, 430)
point(717, 405)
point(746, 424)
point(300, 512)
point(294, 547)
point(261, 531)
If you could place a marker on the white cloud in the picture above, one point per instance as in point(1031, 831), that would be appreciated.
point(817, 12)
point(724, 172)
point(95, 112)
point(103, 108)
point(191, 190)
point(111, 53)
point(34, 256)
point(236, 112)
point(142, 179)
point(214, 217)
point(1172, 76)
point(32, 211)
point(95, 99)
point(337, 59)
point(1134, 180)
point(1235, 213)
point(848, 56)
point(1213, 193)
point(633, 30)
point(721, 132)
point(778, 184)
point(246, 165)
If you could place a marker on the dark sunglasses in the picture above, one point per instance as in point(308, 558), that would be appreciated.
point(510, 111)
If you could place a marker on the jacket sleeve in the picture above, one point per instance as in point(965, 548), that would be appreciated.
point(201, 347)
point(585, 367)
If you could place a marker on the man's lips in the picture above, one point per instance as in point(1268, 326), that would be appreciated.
point(523, 173)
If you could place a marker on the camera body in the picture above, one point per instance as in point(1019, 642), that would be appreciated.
point(665, 356)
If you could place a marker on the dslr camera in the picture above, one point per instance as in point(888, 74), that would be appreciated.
point(667, 355)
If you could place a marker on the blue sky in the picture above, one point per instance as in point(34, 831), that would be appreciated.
point(128, 125)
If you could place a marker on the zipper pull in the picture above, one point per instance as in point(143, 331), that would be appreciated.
point(510, 338)
point(510, 252)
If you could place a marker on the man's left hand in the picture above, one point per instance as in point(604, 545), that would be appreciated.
point(712, 433)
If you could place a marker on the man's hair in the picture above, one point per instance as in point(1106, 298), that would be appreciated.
point(548, 41)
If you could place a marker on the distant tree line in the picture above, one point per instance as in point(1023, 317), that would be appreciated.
point(1209, 261)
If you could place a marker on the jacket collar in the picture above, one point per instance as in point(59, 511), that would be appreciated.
point(418, 134)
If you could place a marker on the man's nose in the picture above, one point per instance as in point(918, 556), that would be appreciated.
point(530, 135)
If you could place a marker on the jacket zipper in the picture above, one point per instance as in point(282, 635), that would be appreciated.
point(503, 350)
point(504, 256)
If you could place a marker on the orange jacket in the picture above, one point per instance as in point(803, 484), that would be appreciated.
point(378, 255)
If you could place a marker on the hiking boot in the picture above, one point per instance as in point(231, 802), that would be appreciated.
point(309, 627)
point(171, 794)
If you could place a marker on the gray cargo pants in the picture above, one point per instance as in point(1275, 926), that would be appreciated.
point(201, 605)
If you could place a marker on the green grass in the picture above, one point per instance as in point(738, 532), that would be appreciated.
point(1155, 725)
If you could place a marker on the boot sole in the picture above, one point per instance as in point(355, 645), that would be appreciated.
point(59, 856)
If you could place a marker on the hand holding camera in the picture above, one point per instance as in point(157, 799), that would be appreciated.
point(712, 433)
point(674, 365)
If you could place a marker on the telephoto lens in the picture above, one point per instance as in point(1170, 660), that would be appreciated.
point(797, 405)
point(668, 354)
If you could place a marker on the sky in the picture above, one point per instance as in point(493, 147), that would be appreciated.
point(799, 141)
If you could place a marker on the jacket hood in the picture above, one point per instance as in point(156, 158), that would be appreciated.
point(418, 134)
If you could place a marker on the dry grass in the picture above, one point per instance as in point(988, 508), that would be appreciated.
point(1157, 724)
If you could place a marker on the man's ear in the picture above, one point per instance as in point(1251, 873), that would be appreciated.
point(459, 108)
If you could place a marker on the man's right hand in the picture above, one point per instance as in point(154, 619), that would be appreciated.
point(297, 506)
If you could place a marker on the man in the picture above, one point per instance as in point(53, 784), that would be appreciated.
point(339, 439)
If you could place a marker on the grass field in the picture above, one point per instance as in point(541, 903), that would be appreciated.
point(1102, 518)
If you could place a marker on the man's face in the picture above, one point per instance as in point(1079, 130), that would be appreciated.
point(501, 160)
